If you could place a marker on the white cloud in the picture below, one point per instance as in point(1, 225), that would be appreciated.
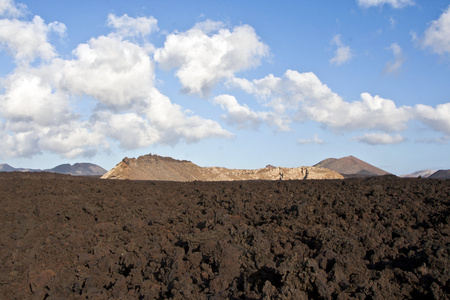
point(299, 97)
point(132, 27)
point(302, 97)
point(29, 99)
point(242, 116)
point(23, 144)
point(443, 140)
point(393, 3)
point(118, 73)
point(131, 130)
point(393, 22)
point(314, 140)
point(10, 9)
point(437, 35)
point(437, 118)
point(398, 59)
point(208, 53)
point(71, 139)
point(343, 53)
point(379, 139)
point(26, 41)
point(38, 104)
point(371, 112)
point(175, 124)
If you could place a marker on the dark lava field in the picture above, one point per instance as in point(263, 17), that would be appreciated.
point(68, 237)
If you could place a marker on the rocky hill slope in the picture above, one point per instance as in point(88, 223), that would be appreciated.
point(422, 173)
point(441, 174)
point(154, 167)
point(351, 166)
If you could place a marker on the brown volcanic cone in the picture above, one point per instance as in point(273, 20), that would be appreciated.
point(351, 166)
point(154, 167)
point(441, 174)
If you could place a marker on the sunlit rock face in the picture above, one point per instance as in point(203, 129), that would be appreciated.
point(154, 167)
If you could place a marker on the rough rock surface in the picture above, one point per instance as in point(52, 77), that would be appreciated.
point(65, 237)
point(154, 167)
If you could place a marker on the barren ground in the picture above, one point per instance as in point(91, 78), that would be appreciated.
point(77, 237)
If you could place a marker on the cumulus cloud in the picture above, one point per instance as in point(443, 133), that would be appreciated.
point(437, 118)
point(176, 124)
point(126, 26)
point(314, 140)
point(10, 9)
point(39, 102)
point(238, 114)
point(242, 116)
point(71, 139)
point(26, 41)
point(29, 99)
point(302, 97)
point(437, 35)
point(208, 53)
point(380, 139)
point(23, 144)
point(40, 108)
point(131, 130)
point(343, 53)
point(118, 73)
point(398, 59)
point(393, 3)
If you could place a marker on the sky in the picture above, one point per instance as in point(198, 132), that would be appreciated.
point(236, 84)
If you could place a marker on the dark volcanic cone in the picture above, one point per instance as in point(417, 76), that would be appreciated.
point(351, 166)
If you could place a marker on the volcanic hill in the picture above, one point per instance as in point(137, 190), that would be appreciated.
point(79, 169)
point(8, 168)
point(86, 169)
point(441, 174)
point(155, 167)
point(351, 166)
point(422, 173)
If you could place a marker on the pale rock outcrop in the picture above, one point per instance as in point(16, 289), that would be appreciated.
point(154, 167)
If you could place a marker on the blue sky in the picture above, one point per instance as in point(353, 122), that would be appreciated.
point(238, 84)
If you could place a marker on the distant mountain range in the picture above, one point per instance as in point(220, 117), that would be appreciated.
point(82, 169)
point(8, 168)
point(441, 174)
point(154, 167)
